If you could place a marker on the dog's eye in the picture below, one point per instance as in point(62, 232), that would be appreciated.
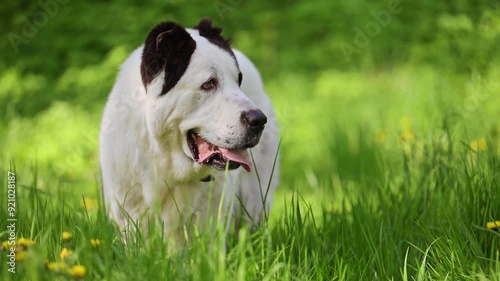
point(209, 85)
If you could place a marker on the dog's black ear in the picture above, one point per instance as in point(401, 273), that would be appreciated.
point(206, 29)
point(213, 34)
point(168, 48)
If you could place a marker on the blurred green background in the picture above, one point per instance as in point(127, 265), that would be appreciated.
point(350, 80)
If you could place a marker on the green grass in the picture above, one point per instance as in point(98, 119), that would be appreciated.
point(423, 220)
point(386, 186)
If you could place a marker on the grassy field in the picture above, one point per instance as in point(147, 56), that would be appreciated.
point(390, 161)
point(389, 187)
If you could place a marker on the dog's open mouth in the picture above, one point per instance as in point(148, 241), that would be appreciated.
point(205, 153)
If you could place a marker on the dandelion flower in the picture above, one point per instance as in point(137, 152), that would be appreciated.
point(66, 236)
point(90, 204)
point(65, 253)
point(77, 271)
point(493, 225)
point(20, 256)
point(23, 242)
point(57, 266)
point(5, 245)
point(95, 243)
point(479, 145)
point(407, 135)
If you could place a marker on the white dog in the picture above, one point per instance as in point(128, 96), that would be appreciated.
point(184, 109)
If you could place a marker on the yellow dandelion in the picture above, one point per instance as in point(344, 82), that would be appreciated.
point(88, 203)
point(479, 145)
point(65, 253)
point(5, 245)
point(23, 242)
point(380, 135)
point(57, 266)
point(66, 236)
point(20, 256)
point(95, 243)
point(77, 271)
point(407, 135)
point(493, 225)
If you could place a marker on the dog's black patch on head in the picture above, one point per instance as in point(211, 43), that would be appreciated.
point(212, 34)
point(240, 78)
point(168, 48)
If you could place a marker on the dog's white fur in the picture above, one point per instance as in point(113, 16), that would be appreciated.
point(147, 168)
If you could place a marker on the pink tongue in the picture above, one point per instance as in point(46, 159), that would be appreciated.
point(239, 156)
point(206, 150)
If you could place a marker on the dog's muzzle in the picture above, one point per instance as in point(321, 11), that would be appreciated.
point(220, 157)
point(255, 121)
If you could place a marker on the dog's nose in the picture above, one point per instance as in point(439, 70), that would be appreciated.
point(255, 119)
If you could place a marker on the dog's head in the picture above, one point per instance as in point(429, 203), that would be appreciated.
point(194, 101)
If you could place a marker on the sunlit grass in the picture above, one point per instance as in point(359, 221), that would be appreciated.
point(428, 219)
point(385, 177)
